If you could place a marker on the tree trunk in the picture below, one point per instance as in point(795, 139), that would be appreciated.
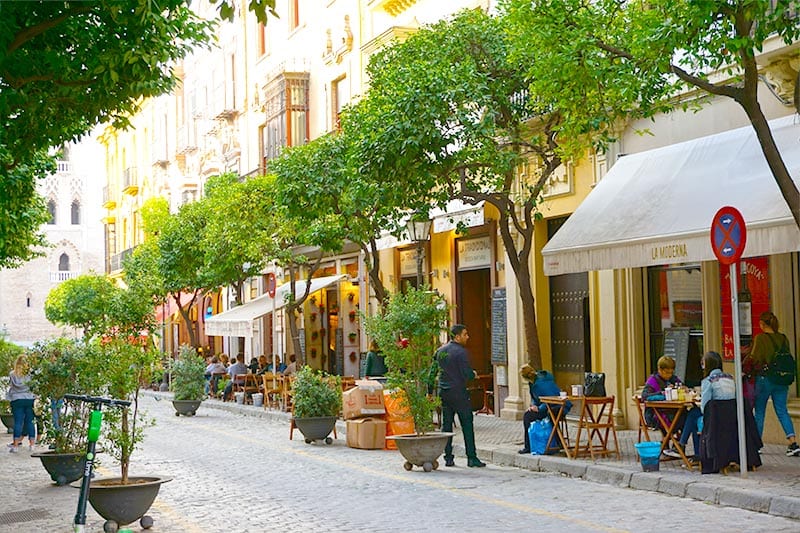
point(187, 319)
point(372, 260)
point(125, 449)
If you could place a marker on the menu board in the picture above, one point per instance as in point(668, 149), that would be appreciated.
point(676, 345)
point(499, 341)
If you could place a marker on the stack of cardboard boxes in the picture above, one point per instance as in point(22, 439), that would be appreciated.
point(364, 411)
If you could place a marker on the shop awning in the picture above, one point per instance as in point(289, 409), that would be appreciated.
point(655, 207)
point(238, 322)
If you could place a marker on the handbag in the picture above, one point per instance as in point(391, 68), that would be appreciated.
point(594, 384)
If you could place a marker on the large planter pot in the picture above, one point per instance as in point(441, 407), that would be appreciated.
point(63, 467)
point(421, 450)
point(316, 428)
point(8, 421)
point(186, 407)
point(124, 504)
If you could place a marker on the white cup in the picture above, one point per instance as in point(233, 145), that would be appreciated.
point(562, 395)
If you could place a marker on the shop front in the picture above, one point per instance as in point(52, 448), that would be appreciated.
point(643, 235)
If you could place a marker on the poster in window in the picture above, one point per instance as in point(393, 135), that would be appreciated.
point(754, 299)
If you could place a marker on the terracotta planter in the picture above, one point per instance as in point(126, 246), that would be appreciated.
point(316, 428)
point(63, 467)
point(186, 407)
point(124, 504)
point(421, 450)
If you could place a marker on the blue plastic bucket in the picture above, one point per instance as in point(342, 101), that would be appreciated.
point(649, 453)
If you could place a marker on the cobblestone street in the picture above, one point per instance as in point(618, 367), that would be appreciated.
point(241, 473)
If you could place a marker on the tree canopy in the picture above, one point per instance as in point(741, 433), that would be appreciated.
point(649, 57)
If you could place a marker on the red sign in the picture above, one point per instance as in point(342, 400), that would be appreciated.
point(271, 284)
point(757, 276)
point(728, 235)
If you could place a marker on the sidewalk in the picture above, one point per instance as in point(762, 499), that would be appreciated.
point(774, 488)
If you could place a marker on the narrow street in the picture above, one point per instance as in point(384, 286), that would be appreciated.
point(241, 473)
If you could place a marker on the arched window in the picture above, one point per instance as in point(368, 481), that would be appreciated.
point(51, 208)
point(63, 263)
point(76, 212)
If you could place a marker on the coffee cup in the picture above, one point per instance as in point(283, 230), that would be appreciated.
point(562, 395)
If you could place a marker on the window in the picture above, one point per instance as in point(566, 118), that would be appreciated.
point(294, 14)
point(340, 95)
point(63, 263)
point(76, 212)
point(287, 114)
point(676, 301)
point(263, 40)
point(28, 300)
point(51, 209)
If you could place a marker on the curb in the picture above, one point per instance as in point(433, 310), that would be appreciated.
point(748, 499)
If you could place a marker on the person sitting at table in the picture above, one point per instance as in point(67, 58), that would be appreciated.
point(376, 364)
point(253, 366)
point(539, 384)
point(263, 365)
point(236, 369)
point(716, 385)
point(276, 363)
point(213, 371)
point(292, 368)
point(223, 360)
point(654, 389)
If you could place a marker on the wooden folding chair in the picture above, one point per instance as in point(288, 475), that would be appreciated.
point(271, 389)
point(643, 427)
point(246, 383)
point(598, 420)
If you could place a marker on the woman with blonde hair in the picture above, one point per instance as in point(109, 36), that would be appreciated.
point(21, 397)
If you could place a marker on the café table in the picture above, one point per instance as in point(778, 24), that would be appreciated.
point(669, 413)
point(595, 421)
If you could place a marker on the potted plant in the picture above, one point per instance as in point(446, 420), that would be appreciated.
point(6, 416)
point(352, 336)
point(408, 332)
point(129, 364)
point(317, 400)
point(188, 381)
point(59, 367)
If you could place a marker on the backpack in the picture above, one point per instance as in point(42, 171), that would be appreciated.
point(781, 370)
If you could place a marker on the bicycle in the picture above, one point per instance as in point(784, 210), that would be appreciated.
point(93, 434)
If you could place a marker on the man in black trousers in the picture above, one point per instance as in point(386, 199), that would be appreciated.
point(453, 376)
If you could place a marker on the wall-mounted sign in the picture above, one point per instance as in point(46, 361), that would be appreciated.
point(408, 263)
point(474, 253)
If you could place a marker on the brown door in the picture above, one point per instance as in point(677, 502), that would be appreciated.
point(474, 306)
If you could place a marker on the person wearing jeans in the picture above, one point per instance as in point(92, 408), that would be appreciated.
point(765, 346)
point(21, 397)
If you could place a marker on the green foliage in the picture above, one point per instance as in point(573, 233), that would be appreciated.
point(188, 375)
point(59, 367)
point(8, 354)
point(65, 67)
point(93, 302)
point(316, 394)
point(419, 316)
point(129, 363)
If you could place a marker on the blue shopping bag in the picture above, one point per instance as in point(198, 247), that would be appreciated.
point(538, 434)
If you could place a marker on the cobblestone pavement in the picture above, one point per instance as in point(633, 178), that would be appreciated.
point(235, 469)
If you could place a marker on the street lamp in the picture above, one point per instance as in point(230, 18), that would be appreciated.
point(418, 227)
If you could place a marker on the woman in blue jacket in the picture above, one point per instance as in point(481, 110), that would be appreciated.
point(540, 384)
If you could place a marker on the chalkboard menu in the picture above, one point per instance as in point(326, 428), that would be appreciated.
point(499, 344)
point(676, 345)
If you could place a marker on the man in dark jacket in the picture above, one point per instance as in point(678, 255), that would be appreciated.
point(454, 372)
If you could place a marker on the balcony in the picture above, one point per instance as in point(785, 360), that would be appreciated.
point(62, 275)
point(158, 153)
point(117, 259)
point(185, 140)
point(130, 182)
point(109, 200)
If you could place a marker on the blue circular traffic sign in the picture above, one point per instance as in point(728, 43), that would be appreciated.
point(728, 235)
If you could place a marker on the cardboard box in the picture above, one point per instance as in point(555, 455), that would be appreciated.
point(365, 399)
point(366, 433)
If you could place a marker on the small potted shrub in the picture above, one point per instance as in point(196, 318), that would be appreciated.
point(59, 367)
point(408, 332)
point(188, 381)
point(317, 401)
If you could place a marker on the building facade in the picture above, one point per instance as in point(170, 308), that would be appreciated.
point(74, 233)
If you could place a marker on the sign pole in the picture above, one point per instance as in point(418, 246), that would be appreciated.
point(728, 240)
point(737, 361)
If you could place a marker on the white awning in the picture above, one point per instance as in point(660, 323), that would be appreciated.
point(656, 207)
point(238, 322)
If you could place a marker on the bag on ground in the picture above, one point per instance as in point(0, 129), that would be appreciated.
point(538, 434)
